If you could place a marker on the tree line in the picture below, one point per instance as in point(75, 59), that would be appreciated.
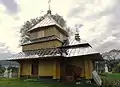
point(112, 59)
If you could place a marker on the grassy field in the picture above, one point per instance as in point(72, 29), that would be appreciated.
point(49, 83)
point(37, 83)
point(111, 80)
point(112, 76)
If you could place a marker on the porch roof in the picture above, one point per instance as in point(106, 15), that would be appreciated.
point(78, 51)
point(40, 53)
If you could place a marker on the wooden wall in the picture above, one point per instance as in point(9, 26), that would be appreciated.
point(53, 69)
point(49, 68)
point(45, 68)
point(56, 69)
point(46, 32)
point(25, 67)
point(88, 69)
point(50, 44)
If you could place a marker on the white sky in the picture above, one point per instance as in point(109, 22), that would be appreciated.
point(94, 26)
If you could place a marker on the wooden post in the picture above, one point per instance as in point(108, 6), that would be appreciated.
point(19, 70)
point(88, 69)
point(56, 70)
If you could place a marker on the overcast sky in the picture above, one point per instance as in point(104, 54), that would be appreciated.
point(101, 20)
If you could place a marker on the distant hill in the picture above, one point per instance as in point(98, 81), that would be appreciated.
point(4, 63)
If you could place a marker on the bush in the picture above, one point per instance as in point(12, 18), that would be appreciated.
point(102, 74)
point(111, 83)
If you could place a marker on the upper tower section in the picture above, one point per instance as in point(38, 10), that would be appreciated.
point(47, 30)
point(47, 27)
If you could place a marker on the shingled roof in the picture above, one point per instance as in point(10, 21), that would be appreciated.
point(40, 53)
point(42, 39)
point(79, 49)
point(47, 21)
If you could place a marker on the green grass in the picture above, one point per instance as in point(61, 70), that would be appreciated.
point(115, 76)
point(111, 80)
point(38, 83)
point(112, 76)
point(14, 82)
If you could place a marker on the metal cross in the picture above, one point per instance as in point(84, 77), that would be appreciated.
point(77, 26)
point(49, 1)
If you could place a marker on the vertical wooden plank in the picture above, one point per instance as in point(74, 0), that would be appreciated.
point(83, 69)
point(19, 70)
point(54, 70)
point(58, 70)
point(88, 69)
point(91, 69)
point(30, 69)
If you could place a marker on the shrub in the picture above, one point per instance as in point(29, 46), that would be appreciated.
point(111, 83)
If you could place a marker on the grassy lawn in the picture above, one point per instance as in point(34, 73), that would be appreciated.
point(112, 76)
point(111, 80)
point(38, 83)
point(14, 82)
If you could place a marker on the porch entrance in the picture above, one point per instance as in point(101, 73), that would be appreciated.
point(34, 68)
point(73, 72)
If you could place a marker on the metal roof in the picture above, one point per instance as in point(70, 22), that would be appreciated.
point(72, 41)
point(47, 21)
point(74, 48)
point(51, 52)
point(42, 39)
point(40, 53)
point(81, 47)
point(79, 51)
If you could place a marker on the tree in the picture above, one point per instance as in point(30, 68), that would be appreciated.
point(112, 58)
point(69, 30)
point(1, 69)
point(117, 68)
point(59, 19)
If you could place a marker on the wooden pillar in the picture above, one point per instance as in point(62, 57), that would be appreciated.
point(91, 68)
point(19, 70)
point(83, 68)
point(88, 69)
point(56, 70)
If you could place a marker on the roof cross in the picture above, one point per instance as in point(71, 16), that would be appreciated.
point(49, 1)
point(77, 26)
